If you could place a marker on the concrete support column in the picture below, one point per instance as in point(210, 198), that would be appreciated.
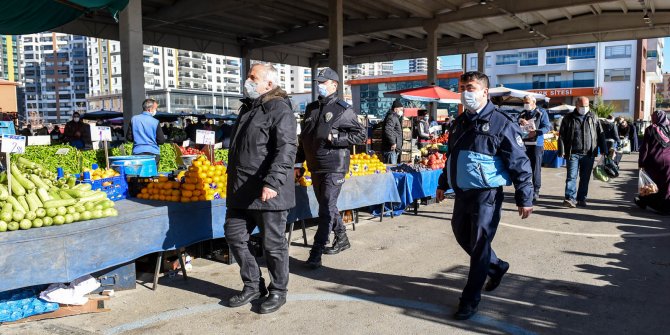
point(132, 60)
point(482, 46)
point(168, 103)
point(314, 66)
point(431, 53)
point(245, 66)
point(335, 33)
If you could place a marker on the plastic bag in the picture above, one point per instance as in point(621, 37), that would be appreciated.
point(599, 170)
point(645, 185)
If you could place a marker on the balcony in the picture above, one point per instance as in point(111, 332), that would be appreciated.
point(193, 77)
point(194, 67)
point(194, 57)
point(539, 85)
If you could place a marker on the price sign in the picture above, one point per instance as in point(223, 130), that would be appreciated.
point(186, 143)
point(204, 137)
point(15, 144)
point(99, 133)
point(62, 151)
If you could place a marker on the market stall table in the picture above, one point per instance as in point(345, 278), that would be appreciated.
point(414, 186)
point(63, 253)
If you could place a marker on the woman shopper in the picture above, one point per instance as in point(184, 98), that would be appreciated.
point(655, 160)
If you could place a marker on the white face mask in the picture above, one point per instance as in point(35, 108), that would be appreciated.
point(470, 100)
point(582, 110)
point(250, 89)
point(76, 119)
point(399, 112)
point(526, 107)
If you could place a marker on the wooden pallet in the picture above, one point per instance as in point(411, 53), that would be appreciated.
point(95, 304)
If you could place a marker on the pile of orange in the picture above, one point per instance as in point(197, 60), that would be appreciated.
point(364, 164)
point(162, 189)
point(202, 182)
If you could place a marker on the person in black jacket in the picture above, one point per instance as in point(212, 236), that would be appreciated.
point(581, 137)
point(261, 189)
point(392, 133)
point(611, 133)
point(329, 127)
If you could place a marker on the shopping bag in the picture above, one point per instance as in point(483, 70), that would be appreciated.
point(645, 185)
point(599, 170)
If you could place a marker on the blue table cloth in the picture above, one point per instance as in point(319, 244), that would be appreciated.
point(413, 186)
point(63, 253)
point(357, 192)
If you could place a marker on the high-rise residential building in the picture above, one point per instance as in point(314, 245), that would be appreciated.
point(180, 80)
point(621, 73)
point(10, 60)
point(421, 65)
point(368, 70)
point(55, 75)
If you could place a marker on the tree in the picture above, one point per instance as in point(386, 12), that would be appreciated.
point(601, 109)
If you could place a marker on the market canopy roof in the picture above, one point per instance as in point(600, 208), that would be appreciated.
point(101, 115)
point(513, 94)
point(431, 93)
point(295, 31)
point(24, 17)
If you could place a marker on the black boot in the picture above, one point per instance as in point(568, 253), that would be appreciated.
point(248, 295)
point(314, 260)
point(341, 243)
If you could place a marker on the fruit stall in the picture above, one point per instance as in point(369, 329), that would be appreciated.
point(70, 226)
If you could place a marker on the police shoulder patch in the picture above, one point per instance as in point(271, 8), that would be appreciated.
point(343, 104)
point(519, 141)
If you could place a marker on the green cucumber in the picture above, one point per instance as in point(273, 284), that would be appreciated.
point(83, 187)
point(43, 194)
point(59, 203)
point(4, 192)
point(38, 181)
point(27, 184)
point(23, 203)
point(15, 204)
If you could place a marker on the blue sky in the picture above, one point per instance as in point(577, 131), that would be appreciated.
point(454, 62)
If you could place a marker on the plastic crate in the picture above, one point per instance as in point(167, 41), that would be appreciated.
point(118, 190)
point(550, 159)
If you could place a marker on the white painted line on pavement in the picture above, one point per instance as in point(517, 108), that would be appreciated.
point(394, 302)
point(620, 235)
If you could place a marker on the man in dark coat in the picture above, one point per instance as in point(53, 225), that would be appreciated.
point(329, 128)
point(392, 133)
point(261, 189)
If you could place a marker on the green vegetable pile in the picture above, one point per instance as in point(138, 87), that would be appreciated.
point(75, 160)
point(37, 199)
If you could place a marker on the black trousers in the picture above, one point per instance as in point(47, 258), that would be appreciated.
point(535, 153)
point(327, 187)
point(240, 223)
point(474, 222)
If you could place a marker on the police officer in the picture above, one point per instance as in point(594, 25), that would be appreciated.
point(486, 152)
point(537, 119)
point(329, 128)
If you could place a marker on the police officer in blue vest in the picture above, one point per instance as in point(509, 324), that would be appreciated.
point(486, 152)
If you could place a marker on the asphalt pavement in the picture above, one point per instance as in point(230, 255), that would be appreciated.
point(604, 269)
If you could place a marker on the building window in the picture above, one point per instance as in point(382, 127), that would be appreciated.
point(528, 58)
point(155, 50)
point(583, 79)
point(554, 80)
point(617, 74)
point(507, 59)
point(488, 61)
point(620, 106)
point(652, 54)
point(582, 53)
point(538, 81)
point(618, 51)
point(170, 73)
point(473, 62)
point(556, 56)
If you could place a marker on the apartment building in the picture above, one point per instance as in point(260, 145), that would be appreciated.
point(55, 75)
point(180, 80)
point(621, 73)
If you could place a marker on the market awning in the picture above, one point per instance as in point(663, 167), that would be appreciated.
point(25, 17)
point(509, 96)
point(101, 115)
point(430, 93)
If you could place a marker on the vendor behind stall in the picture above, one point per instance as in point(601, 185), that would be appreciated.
point(145, 131)
point(74, 131)
point(422, 130)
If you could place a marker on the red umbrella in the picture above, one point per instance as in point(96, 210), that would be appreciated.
point(430, 93)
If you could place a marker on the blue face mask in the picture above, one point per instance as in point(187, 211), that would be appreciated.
point(323, 91)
